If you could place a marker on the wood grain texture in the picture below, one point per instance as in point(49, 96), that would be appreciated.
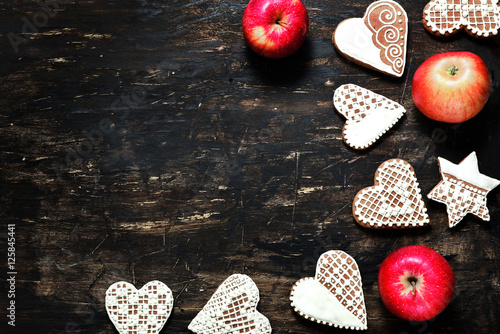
point(143, 140)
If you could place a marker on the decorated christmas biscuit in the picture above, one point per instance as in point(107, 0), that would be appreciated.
point(334, 296)
point(232, 309)
point(480, 18)
point(368, 115)
point(463, 189)
point(143, 311)
point(378, 40)
point(395, 201)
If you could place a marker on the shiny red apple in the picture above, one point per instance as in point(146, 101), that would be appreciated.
point(451, 87)
point(275, 28)
point(415, 283)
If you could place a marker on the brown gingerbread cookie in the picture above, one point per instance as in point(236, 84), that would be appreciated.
point(378, 40)
point(479, 18)
point(368, 115)
point(394, 201)
point(334, 296)
point(463, 189)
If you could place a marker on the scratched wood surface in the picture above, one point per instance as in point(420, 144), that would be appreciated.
point(143, 140)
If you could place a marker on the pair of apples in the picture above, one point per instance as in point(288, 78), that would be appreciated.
point(449, 87)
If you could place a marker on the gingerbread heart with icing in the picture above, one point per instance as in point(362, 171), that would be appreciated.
point(334, 296)
point(395, 201)
point(378, 40)
point(143, 311)
point(480, 18)
point(368, 115)
point(232, 309)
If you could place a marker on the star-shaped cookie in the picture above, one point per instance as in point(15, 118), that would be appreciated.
point(463, 189)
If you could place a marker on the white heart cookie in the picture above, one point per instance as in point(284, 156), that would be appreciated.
point(334, 296)
point(395, 201)
point(232, 309)
point(143, 311)
point(378, 40)
point(368, 115)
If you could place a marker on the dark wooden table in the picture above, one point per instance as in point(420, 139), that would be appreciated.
point(143, 140)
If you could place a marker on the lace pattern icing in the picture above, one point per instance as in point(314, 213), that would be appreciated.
point(359, 105)
point(339, 273)
point(394, 200)
point(480, 17)
point(232, 309)
point(388, 22)
point(460, 198)
point(143, 311)
point(463, 189)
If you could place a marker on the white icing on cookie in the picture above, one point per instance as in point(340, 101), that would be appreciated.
point(480, 17)
point(232, 309)
point(394, 201)
point(463, 189)
point(143, 311)
point(378, 40)
point(314, 301)
point(334, 296)
point(468, 171)
point(368, 115)
point(353, 38)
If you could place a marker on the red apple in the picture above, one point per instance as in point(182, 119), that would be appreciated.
point(451, 87)
point(275, 28)
point(415, 283)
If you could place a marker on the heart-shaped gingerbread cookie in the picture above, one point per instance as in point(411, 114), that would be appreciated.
point(395, 201)
point(334, 296)
point(378, 40)
point(143, 311)
point(232, 309)
point(368, 115)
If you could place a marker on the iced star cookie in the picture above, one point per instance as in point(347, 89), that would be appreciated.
point(334, 296)
point(143, 311)
point(394, 201)
point(378, 40)
point(479, 18)
point(368, 115)
point(232, 309)
point(463, 189)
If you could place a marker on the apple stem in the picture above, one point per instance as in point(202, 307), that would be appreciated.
point(283, 24)
point(414, 286)
point(453, 70)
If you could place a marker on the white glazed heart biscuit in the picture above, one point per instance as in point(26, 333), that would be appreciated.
point(463, 189)
point(334, 296)
point(143, 311)
point(480, 18)
point(232, 309)
point(395, 201)
point(378, 40)
point(368, 115)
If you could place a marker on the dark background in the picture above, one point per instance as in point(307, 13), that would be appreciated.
point(143, 140)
